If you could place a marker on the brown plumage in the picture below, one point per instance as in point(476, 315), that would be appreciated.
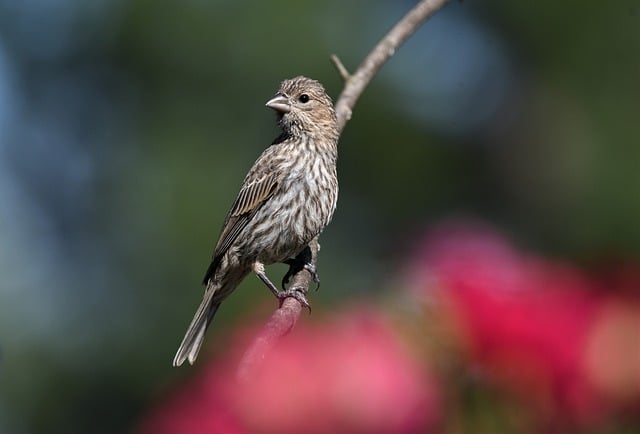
point(285, 201)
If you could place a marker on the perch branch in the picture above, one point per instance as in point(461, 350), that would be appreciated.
point(280, 323)
point(285, 318)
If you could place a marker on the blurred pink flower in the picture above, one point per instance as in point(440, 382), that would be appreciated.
point(350, 374)
point(527, 322)
point(613, 351)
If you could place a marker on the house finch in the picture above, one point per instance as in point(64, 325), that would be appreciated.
point(285, 201)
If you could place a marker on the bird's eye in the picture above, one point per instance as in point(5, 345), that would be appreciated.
point(304, 98)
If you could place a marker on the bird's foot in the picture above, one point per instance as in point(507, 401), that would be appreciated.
point(299, 263)
point(311, 268)
point(296, 292)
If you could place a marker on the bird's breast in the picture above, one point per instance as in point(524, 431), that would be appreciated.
point(302, 204)
point(302, 207)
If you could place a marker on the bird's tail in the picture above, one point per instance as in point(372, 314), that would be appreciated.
point(192, 341)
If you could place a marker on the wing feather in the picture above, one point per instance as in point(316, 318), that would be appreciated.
point(252, 196)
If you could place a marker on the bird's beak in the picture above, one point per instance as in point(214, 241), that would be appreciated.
point(279, 103)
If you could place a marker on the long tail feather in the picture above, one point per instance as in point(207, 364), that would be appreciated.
point(193, 338)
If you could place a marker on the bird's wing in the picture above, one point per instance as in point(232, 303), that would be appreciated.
point(251, 197)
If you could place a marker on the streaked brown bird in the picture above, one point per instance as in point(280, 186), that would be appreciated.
point(285, 201)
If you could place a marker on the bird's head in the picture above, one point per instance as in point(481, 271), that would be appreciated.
point(303, 107)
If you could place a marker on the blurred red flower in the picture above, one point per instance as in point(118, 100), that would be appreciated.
point(528, 322)
point(350, 374)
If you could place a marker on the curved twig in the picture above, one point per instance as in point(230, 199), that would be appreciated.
point(384, 49)
point(285, 318)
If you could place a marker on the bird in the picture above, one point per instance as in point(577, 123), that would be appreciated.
point(286, 200)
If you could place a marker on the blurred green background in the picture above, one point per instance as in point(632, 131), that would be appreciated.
point(126, 128)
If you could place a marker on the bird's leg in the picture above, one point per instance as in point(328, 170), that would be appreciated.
point(301, 262)
point(297, 293)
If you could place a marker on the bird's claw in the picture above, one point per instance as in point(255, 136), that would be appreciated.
point(311, 268)
point(296, 292)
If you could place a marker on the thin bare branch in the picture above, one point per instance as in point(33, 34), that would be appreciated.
point(383, 50)
point(285, 318)
point(342, 70)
